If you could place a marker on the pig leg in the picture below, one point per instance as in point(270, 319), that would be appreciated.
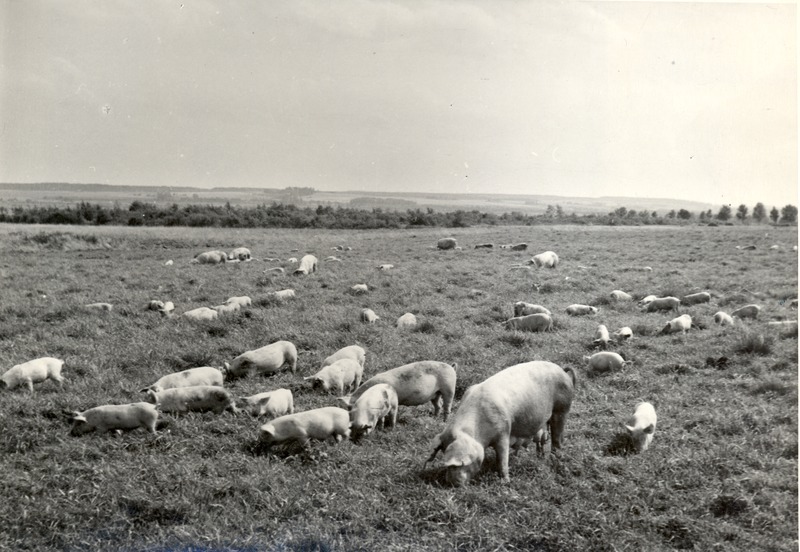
point(501, 448)
point(436, 402)
point(447, 400)
point(29, 383)
point(557, 422)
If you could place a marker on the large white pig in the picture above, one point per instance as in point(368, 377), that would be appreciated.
point(265, 360)
point(193, 399)
point(642, 426)
point(344, 374)
point(270, 403)
point(355, 352)
point(112, 417)
point(319, 424)
point(33, 371)
point(507, 410)
point(205, 375)
point(415, 384)
point(376, 406)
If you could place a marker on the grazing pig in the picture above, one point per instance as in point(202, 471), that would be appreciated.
point(548, 259)
point(211, 257)
point(99, 306)
point(201, 313)
point(319, 424)
point(579, 310)
point(265, 360)
point(33, 371)
point(605, 362)
point(619, 295)
point(507, 410)
point(200, 398)
point(696, 298)
point(530, 323)
point(345, 373)
point(663, 304)
point(169, 263)
point(679, 324)
point(623, 334)
point(308, 264)
point(242, 301)
point(155, 305)
point(240, 254)
point(601, 337)
point(723, 318)
point(446, 243)
point(519, 247)
point(284, 294)
point(406, 322)
point(369, 316)
point(385, 267)
point(647, 300)
point(351, 351)
point(112, 417)
point(227, 308)
point(641, 426)
point(205, 375)
point(360, 288)
point(416, 383)
point(521, 308)
point(167, 309)
point(271, 403)
point(747, 311)
point(376, 406)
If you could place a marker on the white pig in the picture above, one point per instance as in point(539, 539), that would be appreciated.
point(113, 417)
point(271, 403)
point(200, 398)
point(343, 374)
point(641, 426)
point(376, 406)
point(33, 371)
point(319, 424)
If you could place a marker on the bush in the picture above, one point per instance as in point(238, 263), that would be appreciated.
point(755, 343)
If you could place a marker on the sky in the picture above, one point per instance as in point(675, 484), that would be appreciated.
point(683, 100)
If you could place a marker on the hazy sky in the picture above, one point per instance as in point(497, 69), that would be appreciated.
point(649, 99)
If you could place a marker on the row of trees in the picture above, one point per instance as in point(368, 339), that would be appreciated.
point(279, 215)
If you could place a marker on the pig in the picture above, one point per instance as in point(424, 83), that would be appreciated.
point(114, 417)
point(242, 301)
point(33, 371)
point(446, 243)
point(505, 411)
point(578, 310)
point(601, 337)
point(623, 334)
point(205, 375)
point(522, 308)
point(266, 360)
point(723, 318)
point(284, 294)
point(663, 303)
point(351, 351)
point(642, 426)
point(747, 311)
point(308, 264)
point(406, 322)
point(200, 398)
point(679, 324)
point(359, 288)
point(605, 361)
point(369, 316)
point(228, 308)
point(619, 295)
point(271, 403)
point(416, 383)
point(343, 374)
point(376, 406)
point(319, 424)
point(201, 313)
point(548, 259)
point(647, 300)
point(696, 298)
point(530, 323)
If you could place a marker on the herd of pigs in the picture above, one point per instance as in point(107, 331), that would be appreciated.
point(525, 403)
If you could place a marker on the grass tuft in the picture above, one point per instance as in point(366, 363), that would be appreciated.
point(726, 505)
point(755, 344)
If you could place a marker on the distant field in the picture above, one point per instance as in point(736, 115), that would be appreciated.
point(721, 473)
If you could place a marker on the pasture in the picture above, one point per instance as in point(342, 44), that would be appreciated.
point(721, 473)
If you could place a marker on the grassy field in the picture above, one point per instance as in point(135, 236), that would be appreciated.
point(721, 473)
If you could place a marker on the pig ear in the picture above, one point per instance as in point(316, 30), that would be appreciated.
point(629, 428)
point(649, 429)
point(78, 418)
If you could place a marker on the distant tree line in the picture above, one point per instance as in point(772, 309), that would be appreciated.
point(279, 215)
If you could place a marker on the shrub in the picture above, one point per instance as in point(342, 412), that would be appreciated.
point(755, 343)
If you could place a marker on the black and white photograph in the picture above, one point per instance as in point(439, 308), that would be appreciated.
point(384, 275)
